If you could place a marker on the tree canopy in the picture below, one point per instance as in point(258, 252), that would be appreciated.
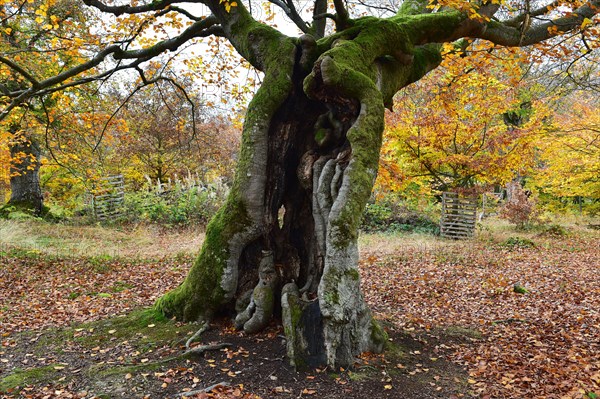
point(52, 45)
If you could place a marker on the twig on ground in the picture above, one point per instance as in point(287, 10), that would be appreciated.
point(203, 390)
point(199, 350)
point(510, 320)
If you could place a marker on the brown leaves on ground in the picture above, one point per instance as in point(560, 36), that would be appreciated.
point(40, 291)
point(542, 344)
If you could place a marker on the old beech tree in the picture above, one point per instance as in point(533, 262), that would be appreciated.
point(285, 242)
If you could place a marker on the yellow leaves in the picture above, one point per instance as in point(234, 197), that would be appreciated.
point(586, 22)
point(228, 4)
point(452, 126)
point(78, 41)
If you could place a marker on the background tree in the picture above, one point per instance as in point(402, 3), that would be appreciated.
point(470, 125)
point(310, 147)
point(37, 38)
point(170, 134)
point(570, 151)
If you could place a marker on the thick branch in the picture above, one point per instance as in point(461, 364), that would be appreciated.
point(197, 29)
point(319, 23)
point(126, 9)
point(342, 16)
point(503, 34)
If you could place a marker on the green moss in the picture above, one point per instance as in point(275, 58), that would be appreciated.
point(332, 296)
point(354, 275)
point(102, 371)
point(21, 378)
point(320, 136)
point(378, 335)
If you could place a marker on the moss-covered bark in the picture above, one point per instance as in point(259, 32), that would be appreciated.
point(309, 159)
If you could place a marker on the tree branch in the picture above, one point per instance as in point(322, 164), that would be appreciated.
point(201, 28)
point(342, 16)
point(290, 10)
point(319, 23)
point(126, 9)
point(503, 34)
point(20, 70)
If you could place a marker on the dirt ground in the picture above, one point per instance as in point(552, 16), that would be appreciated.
point(98, 361)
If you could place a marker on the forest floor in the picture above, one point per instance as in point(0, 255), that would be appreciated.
point(71, 323)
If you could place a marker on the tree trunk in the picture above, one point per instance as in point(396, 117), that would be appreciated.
point(285, 242)
point(26, 193)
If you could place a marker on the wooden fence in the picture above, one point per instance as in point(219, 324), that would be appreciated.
point(108, 197)
point(459, 215)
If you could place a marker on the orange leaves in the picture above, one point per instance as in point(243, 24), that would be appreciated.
point(449, 130)
point(543, 344)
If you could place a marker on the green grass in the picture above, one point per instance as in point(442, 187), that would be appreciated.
point(23, 377)
point(96, 242)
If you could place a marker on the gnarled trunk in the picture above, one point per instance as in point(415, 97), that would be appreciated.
point(285, 243)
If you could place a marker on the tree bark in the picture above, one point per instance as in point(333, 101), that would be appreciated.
point(26, 193)
point(285, 242)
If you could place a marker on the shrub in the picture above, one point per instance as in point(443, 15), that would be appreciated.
point(391, 215)
point(519, 209)
point(178, 205)
point(517, 242)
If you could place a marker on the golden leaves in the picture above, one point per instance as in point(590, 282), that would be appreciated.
point(450, 127)
point(228, 4)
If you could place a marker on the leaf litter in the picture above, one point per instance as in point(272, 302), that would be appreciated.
point(453, 309)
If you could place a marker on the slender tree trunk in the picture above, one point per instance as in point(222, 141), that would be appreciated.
point(26, 192)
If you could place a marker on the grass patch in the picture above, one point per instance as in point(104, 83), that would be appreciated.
point(517, 242)
point(462, 332)
point(63, 240)
point(102, 370)
point(144, 328)
point(23, 377)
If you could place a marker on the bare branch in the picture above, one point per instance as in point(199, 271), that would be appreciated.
point(500, 33)
point(516, 21)
point(125, 9)
point(290, 10)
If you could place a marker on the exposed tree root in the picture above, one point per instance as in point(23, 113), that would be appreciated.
point(205, 326)
point(199, 350)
